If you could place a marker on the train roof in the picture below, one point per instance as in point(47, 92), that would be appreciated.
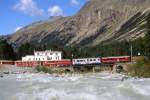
point(87, 58)
point(116, 57)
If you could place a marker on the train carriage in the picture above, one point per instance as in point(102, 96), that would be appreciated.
point(86, 61)
point(118, 59)
point(60, 63)
point(27, 63)
point(7, 62)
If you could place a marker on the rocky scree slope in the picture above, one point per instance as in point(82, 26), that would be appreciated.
point(99, 21)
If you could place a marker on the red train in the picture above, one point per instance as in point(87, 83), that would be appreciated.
point(27, 63)
point(61, 63)
point(119, 59)
point(67, 62)
point(6, 62)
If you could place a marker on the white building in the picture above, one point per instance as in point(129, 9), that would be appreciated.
point(47, 55)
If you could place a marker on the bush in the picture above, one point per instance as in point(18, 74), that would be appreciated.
point(52, 70)
point(141, 68)
point(43, 69)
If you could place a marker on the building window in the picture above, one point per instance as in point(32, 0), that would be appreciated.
point(46, 54)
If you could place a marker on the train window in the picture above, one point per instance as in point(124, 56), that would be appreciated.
point(94, 59)
point(82, 60)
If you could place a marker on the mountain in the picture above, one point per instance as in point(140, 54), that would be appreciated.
point(4, 37)
point(99, 21)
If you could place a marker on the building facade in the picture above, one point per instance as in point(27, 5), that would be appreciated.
point(47, 55)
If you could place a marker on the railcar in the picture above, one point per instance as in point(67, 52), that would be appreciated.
point(60, 63)
point(7, 62)
point(27, 63)
point(86, 61)
point(117, 59)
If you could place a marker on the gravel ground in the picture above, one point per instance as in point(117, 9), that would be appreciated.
point(11, 69)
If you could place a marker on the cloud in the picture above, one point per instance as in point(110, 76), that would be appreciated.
point(55, 11)
point(75, 2)
point(29, 7)
point(18, 28)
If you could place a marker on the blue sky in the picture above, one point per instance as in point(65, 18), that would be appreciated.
point(15, 14)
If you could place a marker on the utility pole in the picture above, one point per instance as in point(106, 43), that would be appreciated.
point(131, 51)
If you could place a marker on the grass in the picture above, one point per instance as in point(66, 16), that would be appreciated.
point(140, 69)
point(43, 69)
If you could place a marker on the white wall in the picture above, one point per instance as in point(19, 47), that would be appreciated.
point(40, 58)
point(28, 58)
point(43, 56)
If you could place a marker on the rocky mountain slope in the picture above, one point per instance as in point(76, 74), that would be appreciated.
point(98, 21)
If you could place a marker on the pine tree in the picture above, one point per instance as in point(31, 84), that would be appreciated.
point(6, 51)
point(147, 37)
point(25, 49)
